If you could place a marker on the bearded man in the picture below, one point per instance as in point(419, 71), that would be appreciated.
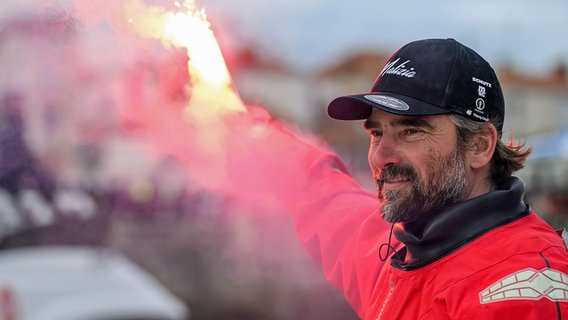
point(465, 245)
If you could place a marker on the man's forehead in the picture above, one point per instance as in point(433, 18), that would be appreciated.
point(379, 120)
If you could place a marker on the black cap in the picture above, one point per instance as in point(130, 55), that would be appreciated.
point(428, 77)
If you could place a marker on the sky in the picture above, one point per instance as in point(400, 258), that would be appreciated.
point(527, 35)
point(311, 34)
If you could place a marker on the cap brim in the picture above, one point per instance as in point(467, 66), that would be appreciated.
point(359, 106)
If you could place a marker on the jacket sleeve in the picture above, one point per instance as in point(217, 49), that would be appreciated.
point(335, 218)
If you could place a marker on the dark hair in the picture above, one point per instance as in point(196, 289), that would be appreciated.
point(507, 158)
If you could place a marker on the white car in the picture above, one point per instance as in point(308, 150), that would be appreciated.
point(80, 283)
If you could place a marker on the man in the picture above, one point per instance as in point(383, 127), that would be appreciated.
point(465, 244)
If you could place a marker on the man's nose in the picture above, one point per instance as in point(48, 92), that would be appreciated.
point(385, 153)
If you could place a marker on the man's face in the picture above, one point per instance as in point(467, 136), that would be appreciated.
point(417, 166)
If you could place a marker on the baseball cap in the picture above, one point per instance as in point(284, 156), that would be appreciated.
point(429, 77)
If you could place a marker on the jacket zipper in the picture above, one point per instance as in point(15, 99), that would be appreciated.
point(387, 299)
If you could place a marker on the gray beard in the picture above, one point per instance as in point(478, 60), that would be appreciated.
point(446, 185)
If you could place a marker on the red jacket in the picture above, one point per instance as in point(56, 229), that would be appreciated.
point(488, 258)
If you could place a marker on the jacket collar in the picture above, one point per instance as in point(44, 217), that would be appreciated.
point(459, 225)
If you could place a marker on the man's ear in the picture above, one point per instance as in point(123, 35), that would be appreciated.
point(483, 147)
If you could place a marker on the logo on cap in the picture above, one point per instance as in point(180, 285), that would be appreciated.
point(480, 104)
point(388, 102)
point(400, 70)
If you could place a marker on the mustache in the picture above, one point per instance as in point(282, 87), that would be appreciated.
point(396, 171)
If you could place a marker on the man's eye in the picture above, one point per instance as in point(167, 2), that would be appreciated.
point(411, 131)
point(375, 134)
